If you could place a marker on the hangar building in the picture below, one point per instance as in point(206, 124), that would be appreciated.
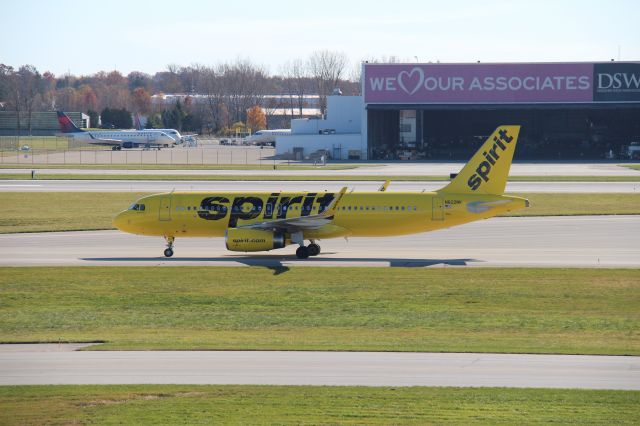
point(568, 111)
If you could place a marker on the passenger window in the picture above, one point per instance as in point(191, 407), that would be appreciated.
point(142, 207)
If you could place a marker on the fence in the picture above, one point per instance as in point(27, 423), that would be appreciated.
point(52, 150)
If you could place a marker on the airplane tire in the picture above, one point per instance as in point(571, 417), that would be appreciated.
point(314, 249)
point(302, 252)
point(168, 252)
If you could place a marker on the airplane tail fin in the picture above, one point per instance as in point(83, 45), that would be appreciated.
point(488, 169)
point(137, 122)
point(66, 125)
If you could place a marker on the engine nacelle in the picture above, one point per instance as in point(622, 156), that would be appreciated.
point(253, 240)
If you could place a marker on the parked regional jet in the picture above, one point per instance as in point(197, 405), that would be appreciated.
point(265, 137)
point(171, 132)
point(117, 139)
point(264, 221)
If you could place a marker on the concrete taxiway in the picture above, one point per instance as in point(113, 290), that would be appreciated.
point(360, 169)
point(27, 366)
point(255, 186)
point(578, 241)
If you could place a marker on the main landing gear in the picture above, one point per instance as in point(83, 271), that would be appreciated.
point(303, 252)
point(168, 252)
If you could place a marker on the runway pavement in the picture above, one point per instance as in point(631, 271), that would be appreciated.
point(372, 169)
point(578, 241)
point(31, 366)
point(255, 186)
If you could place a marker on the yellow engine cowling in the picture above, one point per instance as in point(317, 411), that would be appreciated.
point(253, 240)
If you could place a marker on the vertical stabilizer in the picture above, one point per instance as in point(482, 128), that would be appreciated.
point(66, 125)
point(488, 169)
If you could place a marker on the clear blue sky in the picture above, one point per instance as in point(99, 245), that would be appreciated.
point(84, 37)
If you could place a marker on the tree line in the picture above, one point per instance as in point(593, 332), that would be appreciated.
point(230, 93)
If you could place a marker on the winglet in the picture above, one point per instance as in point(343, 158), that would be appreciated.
point(334, 205)
point(384, 186)
point(488, 169)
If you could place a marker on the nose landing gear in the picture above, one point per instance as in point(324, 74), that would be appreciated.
point(168, 252)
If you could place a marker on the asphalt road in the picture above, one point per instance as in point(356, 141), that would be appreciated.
point(254, 186)
point(26, 366)
point(363, 169)
point(579, 241)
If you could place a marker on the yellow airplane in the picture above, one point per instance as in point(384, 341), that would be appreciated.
point(264, 221)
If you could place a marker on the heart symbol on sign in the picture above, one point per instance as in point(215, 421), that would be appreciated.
point(410, 82)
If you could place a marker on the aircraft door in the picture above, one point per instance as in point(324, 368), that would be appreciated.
point(165, 208)
point(437, 209)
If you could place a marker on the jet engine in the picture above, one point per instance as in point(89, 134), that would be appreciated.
point(253, 240)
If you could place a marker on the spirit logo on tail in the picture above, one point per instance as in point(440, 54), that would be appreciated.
point(491, 157)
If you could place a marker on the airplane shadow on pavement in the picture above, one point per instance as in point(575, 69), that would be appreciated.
point(281, 264)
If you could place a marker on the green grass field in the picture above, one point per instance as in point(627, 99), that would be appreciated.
point(257, 405)
point(572, 311)
point(34, 142)
point(634, 166)
point(74, 211)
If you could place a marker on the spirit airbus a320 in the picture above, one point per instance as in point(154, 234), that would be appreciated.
point(261, 221)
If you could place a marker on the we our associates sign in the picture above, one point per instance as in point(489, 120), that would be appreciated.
point(502, 83)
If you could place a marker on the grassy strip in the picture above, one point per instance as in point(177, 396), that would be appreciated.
point(170, 404)
point(577, 311)
point(61, 211)
point(558, 204)
point(633, 166)
point(76, 211)
point(242, 177)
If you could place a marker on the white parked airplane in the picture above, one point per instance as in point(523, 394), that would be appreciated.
point(117, 139)
point(171, 132)
point(265, 137)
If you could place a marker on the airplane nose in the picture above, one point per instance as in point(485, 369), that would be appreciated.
point(121, 221)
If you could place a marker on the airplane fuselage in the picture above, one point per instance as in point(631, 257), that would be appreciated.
point(361, 214)
point(115, 137)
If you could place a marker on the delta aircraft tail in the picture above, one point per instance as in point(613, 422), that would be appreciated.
point(66, 125)
point(488, 169)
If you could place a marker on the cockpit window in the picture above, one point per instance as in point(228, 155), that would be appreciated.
point(137, 207)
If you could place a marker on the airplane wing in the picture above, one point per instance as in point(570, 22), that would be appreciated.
point(303, 223)
point(106, 142)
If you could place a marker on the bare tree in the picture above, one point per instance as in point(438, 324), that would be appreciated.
point(13, 92)
point(244, 86)
point(326, 68)
point(209, 83)
point(297, 80)
point(24, 92)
